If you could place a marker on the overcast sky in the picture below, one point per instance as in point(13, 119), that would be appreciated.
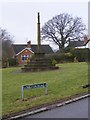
point(19, 18)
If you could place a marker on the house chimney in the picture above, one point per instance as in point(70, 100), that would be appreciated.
point(29, 44)
point(85, 40)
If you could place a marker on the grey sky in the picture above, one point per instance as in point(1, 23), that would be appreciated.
point(20, 18)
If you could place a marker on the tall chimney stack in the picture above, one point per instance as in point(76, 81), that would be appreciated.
point(29, 44)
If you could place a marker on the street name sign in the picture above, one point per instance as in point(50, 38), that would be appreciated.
point(33, 86)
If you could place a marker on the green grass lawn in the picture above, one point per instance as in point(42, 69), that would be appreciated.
point(66, 81)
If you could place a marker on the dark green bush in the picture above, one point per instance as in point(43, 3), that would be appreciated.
point(69, 57)
point(12, 62)
point(82, 55)
point(74, 54)
point(61, 57)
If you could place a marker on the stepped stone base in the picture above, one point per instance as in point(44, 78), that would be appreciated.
point(39, 63)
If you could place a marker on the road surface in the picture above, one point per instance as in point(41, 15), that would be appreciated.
point(78, 109)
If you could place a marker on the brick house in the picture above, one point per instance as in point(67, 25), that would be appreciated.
point(23, 52)
point(80, 44)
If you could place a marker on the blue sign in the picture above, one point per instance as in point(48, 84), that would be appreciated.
point(27, 87)
point(34, 86)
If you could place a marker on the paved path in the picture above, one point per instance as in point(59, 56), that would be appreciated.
point(77, 109)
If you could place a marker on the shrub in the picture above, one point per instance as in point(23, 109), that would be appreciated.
point(69, 57)
point(4, 63)
point(75, 54)
point(54, 62)
point(61, 57)
point(12, 62)
point(81, 54)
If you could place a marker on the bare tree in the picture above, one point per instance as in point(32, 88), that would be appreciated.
point(62, 29)
point(6, 41)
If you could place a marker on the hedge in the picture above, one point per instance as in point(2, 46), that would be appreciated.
point(61, 57)
point(13, 62)
point(82, 55)
point(74, 54)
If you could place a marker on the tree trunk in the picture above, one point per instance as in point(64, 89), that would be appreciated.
point(61, 49)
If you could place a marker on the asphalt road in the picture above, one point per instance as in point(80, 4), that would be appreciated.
point(77, 109)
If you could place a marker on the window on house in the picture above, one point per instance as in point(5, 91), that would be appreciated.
point(24, 57)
